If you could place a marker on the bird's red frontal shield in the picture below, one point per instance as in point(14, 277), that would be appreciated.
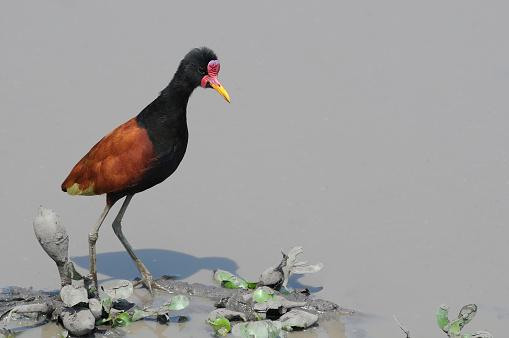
point(211, 78)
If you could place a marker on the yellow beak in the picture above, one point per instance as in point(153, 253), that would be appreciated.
point(221, 90)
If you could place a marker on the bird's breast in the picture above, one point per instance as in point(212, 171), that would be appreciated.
point(169, 150)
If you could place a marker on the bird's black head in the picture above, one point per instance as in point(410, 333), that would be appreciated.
point(200, 67)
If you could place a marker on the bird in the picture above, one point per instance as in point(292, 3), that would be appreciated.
point(143, 152)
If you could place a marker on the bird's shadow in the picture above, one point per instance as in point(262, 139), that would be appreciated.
point(118, 265)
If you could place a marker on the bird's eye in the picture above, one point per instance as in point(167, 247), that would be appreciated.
point(202, 71)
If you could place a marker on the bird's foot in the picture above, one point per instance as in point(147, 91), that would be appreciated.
point(148, 282)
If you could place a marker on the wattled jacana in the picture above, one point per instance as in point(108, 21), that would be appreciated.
point(144, 151)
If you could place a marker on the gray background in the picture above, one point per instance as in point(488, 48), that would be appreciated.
point(372, 133)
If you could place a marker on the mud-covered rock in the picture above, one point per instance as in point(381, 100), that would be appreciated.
point(73, 295)
point(52, 235)
point(95, 307)
point(116, 289)
point(228, 314)
point(262, 328)
point(277, 302)
point(298, 319)
point(78, 322)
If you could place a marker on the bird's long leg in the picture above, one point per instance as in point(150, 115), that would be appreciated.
point(92, 239)
point(117, 228)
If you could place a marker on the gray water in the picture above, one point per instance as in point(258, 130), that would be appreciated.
point(372, 133)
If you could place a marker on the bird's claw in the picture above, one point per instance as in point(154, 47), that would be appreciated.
point(148, 282)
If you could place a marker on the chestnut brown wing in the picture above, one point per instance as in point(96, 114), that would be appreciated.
point(115, 163)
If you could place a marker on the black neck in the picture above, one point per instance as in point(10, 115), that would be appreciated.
point(177, 93)
point(171, 104)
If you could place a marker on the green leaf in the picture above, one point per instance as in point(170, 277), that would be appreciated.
point(178, 302)
point(122, 319)
point(252, 285)
point(442, 316)
point(92, 290)
point(221, 275)
point(107, 303)
point(140, 314)
point(231, 285)
point(466, 314)
point(454, 328)
point(221, 326)
point(229, 280)
point(261, 295)
point(63, 334)
point(102, 321)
